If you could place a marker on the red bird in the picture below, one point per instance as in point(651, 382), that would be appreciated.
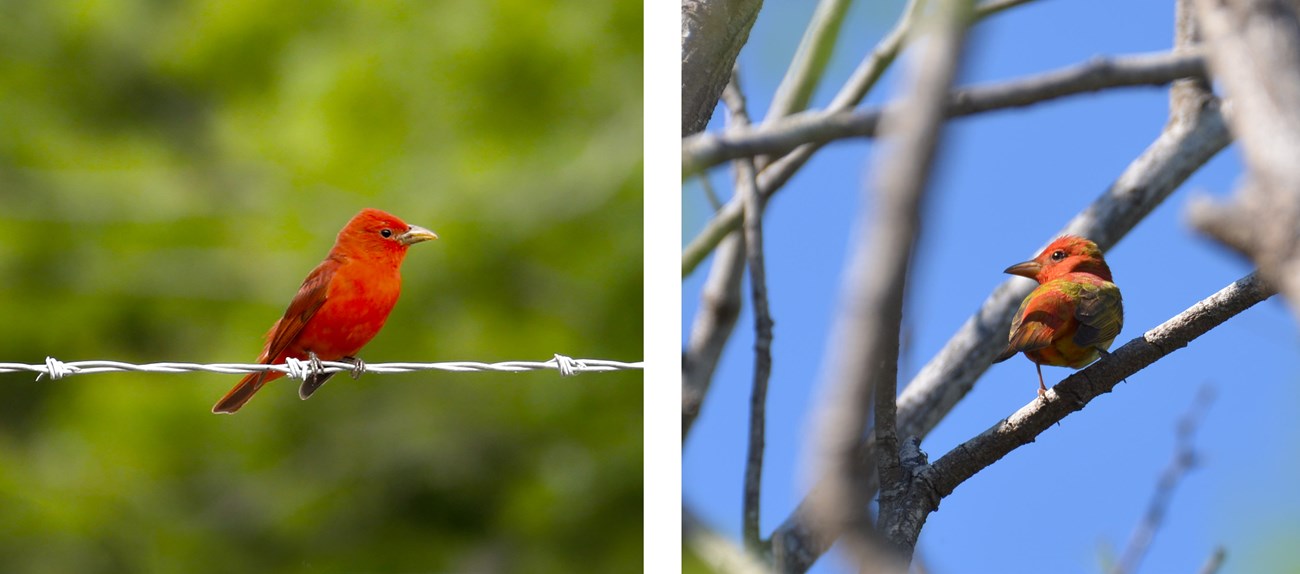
point(341, 305)
point(1075, 313)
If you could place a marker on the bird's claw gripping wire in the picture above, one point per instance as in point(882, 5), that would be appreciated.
point(358, 366)
point(314, 361)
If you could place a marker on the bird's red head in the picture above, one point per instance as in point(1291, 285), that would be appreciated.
point(372, 232)
point(1067, 254)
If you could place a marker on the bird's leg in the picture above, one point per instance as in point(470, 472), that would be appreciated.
point(358, 366)
point(1042, 389)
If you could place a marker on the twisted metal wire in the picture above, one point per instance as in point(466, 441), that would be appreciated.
point(56, 369)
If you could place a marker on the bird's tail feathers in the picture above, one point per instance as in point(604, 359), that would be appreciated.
point(1007, 354)
point(243, 391)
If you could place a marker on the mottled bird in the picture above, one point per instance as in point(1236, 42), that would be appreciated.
point(1073, 316)
point(341, 305)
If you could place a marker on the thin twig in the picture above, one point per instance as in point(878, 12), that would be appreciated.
point(709, 193)
point(753, 230)
point(704, 150)
point(1214, 562)
point(1184, 460)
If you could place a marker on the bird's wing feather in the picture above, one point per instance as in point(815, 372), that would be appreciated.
point(309, 299)
point(1039, 318)
point(1031, 336)
point(1100, 314)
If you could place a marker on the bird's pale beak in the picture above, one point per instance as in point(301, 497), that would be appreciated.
point(416, 234)
point(1028, 269)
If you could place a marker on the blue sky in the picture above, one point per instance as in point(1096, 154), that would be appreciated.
point(1006, 183)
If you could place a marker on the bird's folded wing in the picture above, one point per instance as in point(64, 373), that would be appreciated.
point(310, 297)
point(1100, 315)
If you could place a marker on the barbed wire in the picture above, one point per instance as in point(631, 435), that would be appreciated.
point(567, 366)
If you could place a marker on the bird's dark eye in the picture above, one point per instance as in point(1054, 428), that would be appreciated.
point(389, 233)
point(1056, 255)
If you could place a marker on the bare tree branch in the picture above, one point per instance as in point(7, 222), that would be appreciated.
point(867, 333)
point(1183, 461)
point(753, 231)
point(713, 31)
point(1255, 50)
point(1195, 133)
point(705, 150)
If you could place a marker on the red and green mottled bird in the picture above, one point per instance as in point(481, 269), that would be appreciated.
point(341, 305)
point(1075, 313)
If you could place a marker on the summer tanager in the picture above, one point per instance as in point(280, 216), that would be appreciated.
point(1075, 313)
point(341, 305)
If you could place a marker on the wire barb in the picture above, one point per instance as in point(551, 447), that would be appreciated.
point(298, 369)
point(56, 369)
point(566, 365)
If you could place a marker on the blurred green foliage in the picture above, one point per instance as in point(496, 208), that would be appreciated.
point(169, 173)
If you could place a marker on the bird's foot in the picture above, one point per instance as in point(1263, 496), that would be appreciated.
point(1042, 390)
point(358, 366)
point(314, 361)
point(315, 378)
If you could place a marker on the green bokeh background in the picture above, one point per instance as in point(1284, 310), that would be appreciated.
point(169, 173)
